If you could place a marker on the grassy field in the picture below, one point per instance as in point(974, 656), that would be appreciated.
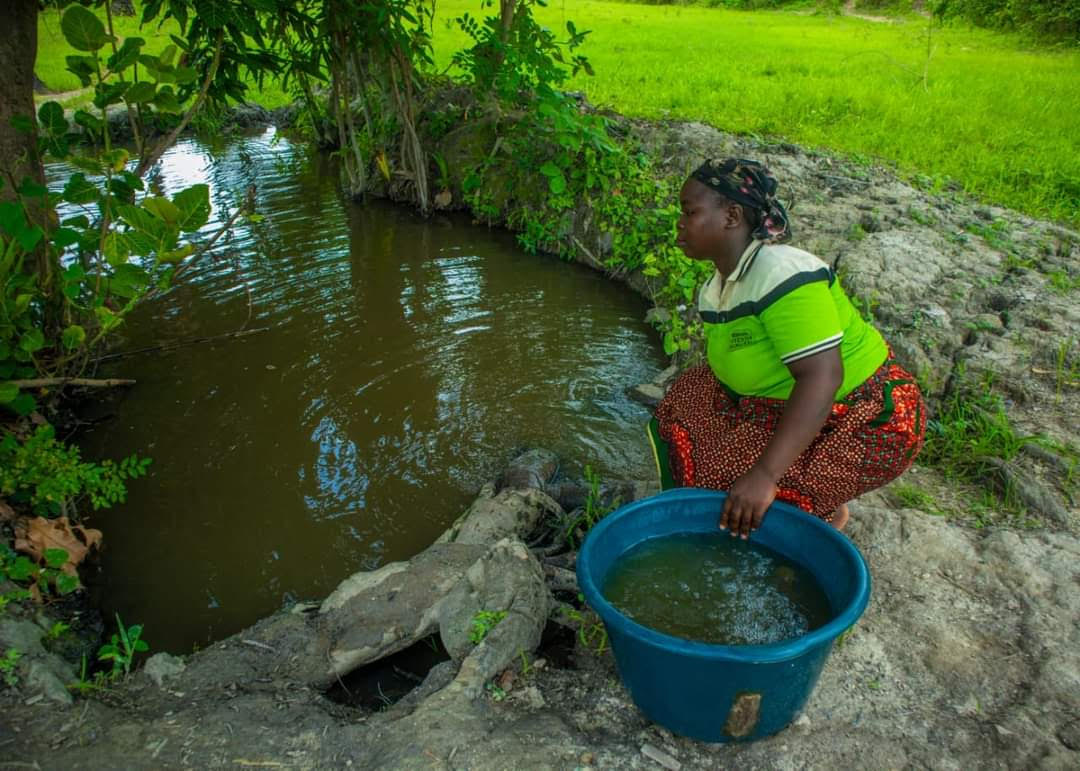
point(999, 119)
point(982, 111)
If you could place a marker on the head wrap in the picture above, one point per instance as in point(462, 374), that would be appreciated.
point(750, 184)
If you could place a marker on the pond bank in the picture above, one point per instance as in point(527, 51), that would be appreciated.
point(967, 655)
point(965, 658)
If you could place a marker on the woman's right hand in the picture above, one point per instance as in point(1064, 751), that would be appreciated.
point(747, 501)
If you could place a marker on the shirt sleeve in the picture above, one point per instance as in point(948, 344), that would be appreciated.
point(802, 321)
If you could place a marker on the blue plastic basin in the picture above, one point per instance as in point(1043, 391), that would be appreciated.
point(721, 693)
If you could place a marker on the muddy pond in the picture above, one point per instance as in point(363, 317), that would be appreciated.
point(403, 362)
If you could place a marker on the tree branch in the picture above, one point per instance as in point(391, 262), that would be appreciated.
point(43, 382)
point(150, 158)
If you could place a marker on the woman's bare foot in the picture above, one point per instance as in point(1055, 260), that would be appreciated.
point(840, 517)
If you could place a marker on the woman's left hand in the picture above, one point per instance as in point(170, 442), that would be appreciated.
point(750, 496)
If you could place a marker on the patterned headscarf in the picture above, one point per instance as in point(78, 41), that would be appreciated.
point(750, 184)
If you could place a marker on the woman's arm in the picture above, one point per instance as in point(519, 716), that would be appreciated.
point(817, 379)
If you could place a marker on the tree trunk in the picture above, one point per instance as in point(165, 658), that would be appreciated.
point(18, 50)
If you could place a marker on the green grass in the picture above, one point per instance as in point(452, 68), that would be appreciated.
point(997, 118)
point(985, 112)
point(51, 67)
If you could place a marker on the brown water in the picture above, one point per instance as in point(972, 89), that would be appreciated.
point(405, 363)
point(716, 589)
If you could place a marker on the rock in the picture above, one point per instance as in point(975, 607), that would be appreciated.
point(532, 469)
point(1069, 734)
point(528, 697)
point(646, 393)
point(507, 578)
point(493, 516)
point(21, 635)
point(41, 677)
point(659, 756)
point(162, 665)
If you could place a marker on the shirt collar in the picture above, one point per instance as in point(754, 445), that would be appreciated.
point(746, 260)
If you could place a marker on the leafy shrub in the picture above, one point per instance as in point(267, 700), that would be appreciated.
point(48, 475)
point(1057, 19)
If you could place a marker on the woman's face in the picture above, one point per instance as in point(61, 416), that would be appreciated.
point(705, 228)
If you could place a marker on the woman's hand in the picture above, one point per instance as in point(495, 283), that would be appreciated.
point(817, 378)
point(750, 496)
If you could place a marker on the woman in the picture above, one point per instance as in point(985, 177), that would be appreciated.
point(800, 400)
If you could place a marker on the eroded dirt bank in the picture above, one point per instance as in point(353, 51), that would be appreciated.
point(968, 656)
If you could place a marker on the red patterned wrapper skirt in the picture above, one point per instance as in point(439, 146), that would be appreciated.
point(871, 437)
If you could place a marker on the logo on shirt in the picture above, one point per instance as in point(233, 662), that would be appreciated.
point(740, 338)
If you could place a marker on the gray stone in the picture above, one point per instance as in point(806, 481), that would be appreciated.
point(163, 665)
point(41, 677)
point(646, 393)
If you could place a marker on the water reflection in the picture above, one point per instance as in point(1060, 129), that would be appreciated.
point(405, 361)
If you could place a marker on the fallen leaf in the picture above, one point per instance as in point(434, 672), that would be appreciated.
point(34, 536)
point(506, 680)
point(6, 512)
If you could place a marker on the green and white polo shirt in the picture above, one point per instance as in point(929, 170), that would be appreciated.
point(780, 305)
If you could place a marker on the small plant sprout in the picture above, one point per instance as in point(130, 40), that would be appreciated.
point(483, 622)
point(57, 630)
point(8, 662)
point(122, 647)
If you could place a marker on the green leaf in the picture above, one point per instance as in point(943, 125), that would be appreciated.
point(23, 404)
point(65, 237)
point(557, 184)
point(12, 217)
point(142, 219)
point(89, 121)
point(78, 221)
point(8, 391)
point(82, 29)
point(175, 255)
point(549, 169)
point(79, 190)
point(56, 558)
point(106, 318)
point(215, 14)
point(194, 205)
point(116, 249)
point(31, 189)
point(131, 179)
point(185, 75)
point(126, 55)
point(75, 272)
point(166, 101)
point(166, 57)
point(73, 337)
point(22, 302)
point(29, 237)
point(128, 281)
point(52, 120)
point(66, 584)
point(32, 340)
point(22, 568)
point(86, 163)
point(141, 92)
point(83, 67)
point(163, 208)
point(670, 345)
point(106, 94)
point(117, 158)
